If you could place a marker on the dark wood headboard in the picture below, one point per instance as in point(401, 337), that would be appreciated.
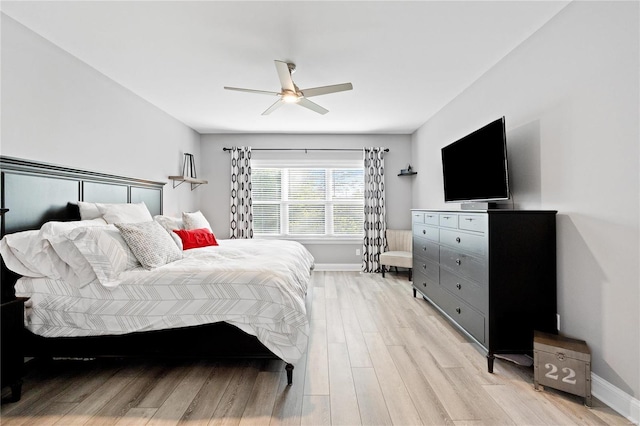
point(35, 193)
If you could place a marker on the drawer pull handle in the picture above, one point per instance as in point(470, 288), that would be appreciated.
point(469, 219)
point(458, 262)
point(458, 286)
point(458, 310)
point(424, 248)
point(424, 231)
point(446, 217)
point(458, 240)
point(424, 266)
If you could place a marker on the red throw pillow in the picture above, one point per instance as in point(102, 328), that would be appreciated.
point(194, 238)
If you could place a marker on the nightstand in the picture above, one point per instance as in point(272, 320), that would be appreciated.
point(12, 327)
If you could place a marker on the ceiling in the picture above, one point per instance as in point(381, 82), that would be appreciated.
point(406, 60)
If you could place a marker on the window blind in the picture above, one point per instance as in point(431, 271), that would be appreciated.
point(315, 201)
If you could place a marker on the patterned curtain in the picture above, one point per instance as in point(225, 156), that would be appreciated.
point(374, 209)
point(241, 225)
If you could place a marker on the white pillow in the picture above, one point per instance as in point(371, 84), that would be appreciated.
point(71, 266)
point(89, 210)
point(27, 254)
point(11, 260)
point(150, 243)
point(125, 213)
point(62, 228)
point(105, 250)
point(30, 253)
point(169, 224)
point(195, 220)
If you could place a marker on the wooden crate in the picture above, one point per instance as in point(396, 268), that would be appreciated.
point(562, 363)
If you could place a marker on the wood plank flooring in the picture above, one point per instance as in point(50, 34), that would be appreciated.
point(377, 356)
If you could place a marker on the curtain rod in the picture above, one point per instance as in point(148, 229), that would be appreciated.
point(303, 149)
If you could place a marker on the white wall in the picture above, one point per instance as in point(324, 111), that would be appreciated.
point(58, 110)
point(214, 198)
point(570, 96)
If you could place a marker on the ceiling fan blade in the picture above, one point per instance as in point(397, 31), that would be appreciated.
point(323, 90)
point(285, 76)
point(262, 92)
point(273, 107)
point(312, 106)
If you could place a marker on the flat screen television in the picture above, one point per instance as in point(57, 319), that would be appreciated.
point(475, 166)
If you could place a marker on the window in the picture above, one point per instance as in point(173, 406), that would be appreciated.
point(313, 201)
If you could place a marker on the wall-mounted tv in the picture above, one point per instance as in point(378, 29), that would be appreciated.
point(475, 166)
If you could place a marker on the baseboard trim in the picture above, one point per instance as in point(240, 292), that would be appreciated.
point(343, 267)
point(616, 398)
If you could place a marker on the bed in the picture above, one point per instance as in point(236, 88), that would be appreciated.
point(241, 298)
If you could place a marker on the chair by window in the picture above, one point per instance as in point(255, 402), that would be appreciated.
point(400, 251)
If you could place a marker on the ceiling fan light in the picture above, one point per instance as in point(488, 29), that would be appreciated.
point(290, 98)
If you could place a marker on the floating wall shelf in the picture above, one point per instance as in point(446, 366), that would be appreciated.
point(188, 174)
point(408, 174)
point(182, 179)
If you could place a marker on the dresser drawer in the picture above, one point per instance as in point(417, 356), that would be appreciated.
point(472, 267)
point(417, 217)
point(427, 232)
point(448, 220)
point(431, 218)
point(426, 249)
point(471, 292)
point(469, 319)
point(473, 222)
point(426, 286)
point(430, 269)
point(476, 244)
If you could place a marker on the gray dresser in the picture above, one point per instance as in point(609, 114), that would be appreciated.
point(492, 273)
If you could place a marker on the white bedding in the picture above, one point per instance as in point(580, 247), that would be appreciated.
point(256, 285)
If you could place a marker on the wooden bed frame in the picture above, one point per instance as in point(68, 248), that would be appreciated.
point(35, 193)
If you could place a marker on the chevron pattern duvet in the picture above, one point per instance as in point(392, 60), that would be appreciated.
point(256, 285)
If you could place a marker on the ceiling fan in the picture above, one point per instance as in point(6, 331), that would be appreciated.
point(290, 93)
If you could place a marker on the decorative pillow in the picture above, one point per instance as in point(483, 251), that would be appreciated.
point(195, 220)
point(150, 243)
point(194, 238)
point(89, 210)
point(105, 250)
point(125, 213)
point(170, 224)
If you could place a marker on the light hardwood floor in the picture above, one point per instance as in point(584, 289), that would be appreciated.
point(376, 356)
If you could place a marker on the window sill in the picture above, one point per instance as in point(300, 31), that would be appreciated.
point(315, 240)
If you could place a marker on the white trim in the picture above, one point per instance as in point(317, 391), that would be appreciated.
point(342, 267)
point(616, 398)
